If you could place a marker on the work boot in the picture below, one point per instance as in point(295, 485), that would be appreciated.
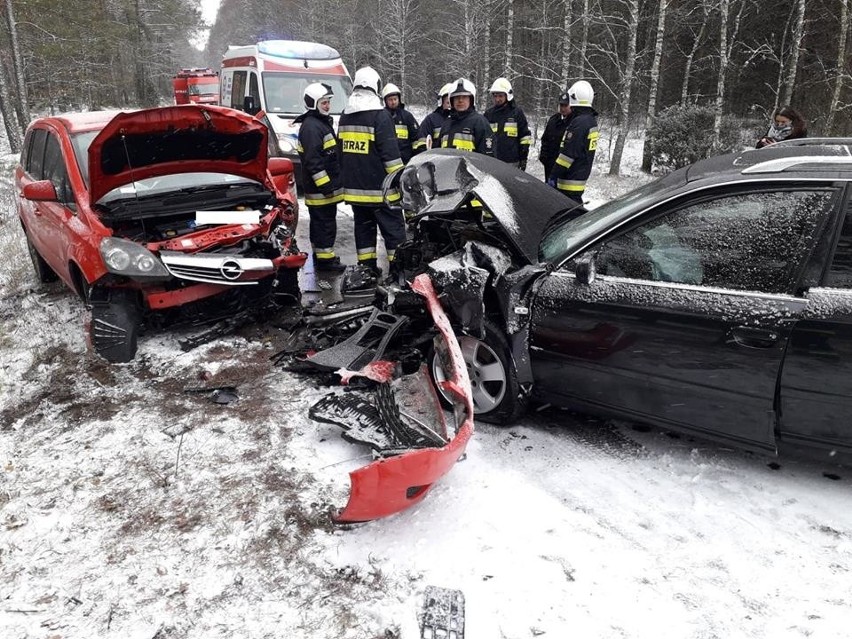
point(328, 264)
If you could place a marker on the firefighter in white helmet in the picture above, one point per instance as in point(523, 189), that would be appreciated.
point(466, 129)
point(429, 134)
point(577, 152)
point(369, 152)
point(404, 123)
point(319, 153)
point(508, 122)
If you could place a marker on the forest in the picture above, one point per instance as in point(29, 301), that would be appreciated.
point(742, 58)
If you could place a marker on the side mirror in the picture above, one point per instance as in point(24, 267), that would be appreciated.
point(584, 269)
point(249, 106)
point(41, 191)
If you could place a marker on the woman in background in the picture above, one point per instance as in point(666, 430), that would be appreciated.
point(787, 124)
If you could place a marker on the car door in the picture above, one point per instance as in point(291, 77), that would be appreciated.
point(688, 319)
point(31, 211)
point(816, 380)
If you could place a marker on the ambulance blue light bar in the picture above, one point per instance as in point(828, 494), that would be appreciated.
point(295, 49)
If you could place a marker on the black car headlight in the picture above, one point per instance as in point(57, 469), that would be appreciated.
point(124, 257)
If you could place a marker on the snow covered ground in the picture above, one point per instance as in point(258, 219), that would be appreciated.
point(131, 509)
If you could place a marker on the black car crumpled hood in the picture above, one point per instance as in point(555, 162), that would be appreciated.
point(440, 181)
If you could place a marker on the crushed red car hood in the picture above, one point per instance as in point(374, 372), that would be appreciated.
point(176, 139)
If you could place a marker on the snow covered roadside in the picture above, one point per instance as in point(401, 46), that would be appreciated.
point(129, 508)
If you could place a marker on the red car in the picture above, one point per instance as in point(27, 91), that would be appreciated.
point(159, 216)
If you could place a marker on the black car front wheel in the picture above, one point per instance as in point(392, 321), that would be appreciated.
point(43, 272)
point(497, 398)
point(114, 329)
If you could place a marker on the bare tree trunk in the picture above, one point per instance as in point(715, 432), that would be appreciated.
point(584, 41)
point(567, 18)
point(798, 34)
point(723, 70)
point(779, 82)
point(626, 87)
point(510, 28)
point(487, 41)
point(7, 112)
point(655, 81)
point(684, 91)
point(840, 70)
point(21, 103)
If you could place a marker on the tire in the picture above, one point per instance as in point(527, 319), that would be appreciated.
point(497, 398)
point(114, 329)
point(44, 274)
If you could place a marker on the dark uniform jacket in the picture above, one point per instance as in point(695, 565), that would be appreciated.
point(406, 130)
point(577, 152)
point(431, 128)
point(512, 136)
point(319, 152)
point(467, 131)
point(551, 139)
point(369, 149)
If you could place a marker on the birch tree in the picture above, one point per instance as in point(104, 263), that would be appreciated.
point(723, 70)
point(7, 112)
point(567, 20)
point(510, 30)
point(796, 45)
point(632, 7)
point(840, 67)
point(655, 78)
point(21, 102)
point(690, 57)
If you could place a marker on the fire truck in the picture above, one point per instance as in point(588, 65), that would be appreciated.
point(195, 85)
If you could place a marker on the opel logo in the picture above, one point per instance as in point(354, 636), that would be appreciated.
point(231, 270)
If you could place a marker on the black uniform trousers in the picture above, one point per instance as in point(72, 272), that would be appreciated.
point(389, 221)
point(323, 226)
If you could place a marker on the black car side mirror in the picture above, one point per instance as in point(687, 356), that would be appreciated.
point(249, 105)
point(584, 268)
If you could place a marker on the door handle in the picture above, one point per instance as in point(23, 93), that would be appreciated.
point(751, 337)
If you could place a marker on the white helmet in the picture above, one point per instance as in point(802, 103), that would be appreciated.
point(368, 78)
point(502, 85)
point(316, 92)
point(444, 91)
point(463, 87)
point(581, 93)
point(391, 89)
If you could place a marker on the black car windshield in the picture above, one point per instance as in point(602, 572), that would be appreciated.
point(284, 90)
point(154, 185)
point(571, 234)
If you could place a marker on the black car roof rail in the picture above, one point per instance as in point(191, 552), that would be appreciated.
point(779, 165)
point(843, 142)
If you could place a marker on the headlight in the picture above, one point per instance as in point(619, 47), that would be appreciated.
point(124, 257)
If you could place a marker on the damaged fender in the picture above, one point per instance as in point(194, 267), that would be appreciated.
point(390, 485)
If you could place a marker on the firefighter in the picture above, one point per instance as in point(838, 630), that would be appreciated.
point(369, 152)
point(466, 129)
point(429, 134)
point(404, 123)
point(319, 153)
point(512, 136)
point(552, 136)
point(577, 151)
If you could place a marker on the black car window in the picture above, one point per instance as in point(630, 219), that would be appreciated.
point(35, 157)
point(752, 241)
point(238, 90)
point(54, 170)
point(840, 272)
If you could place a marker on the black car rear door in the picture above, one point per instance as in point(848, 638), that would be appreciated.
point(816, 380)
point(687, 322)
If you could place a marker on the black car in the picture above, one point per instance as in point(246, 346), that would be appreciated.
point(716, 300)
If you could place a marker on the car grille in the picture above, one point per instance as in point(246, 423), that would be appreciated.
point(214, 268)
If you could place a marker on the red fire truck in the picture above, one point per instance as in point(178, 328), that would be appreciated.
point(196, 85)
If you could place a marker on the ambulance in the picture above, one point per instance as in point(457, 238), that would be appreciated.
point(271, 76)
